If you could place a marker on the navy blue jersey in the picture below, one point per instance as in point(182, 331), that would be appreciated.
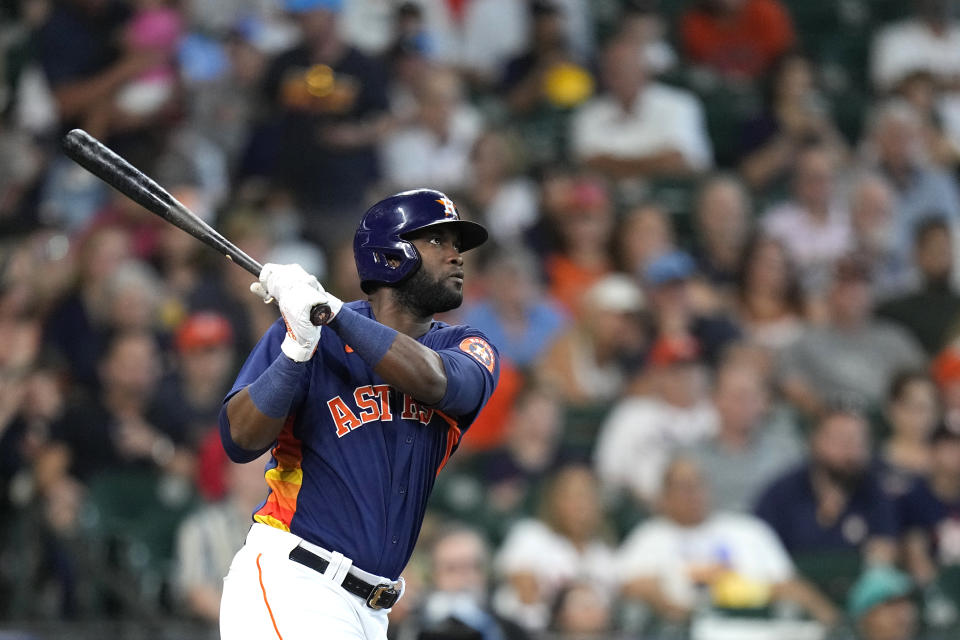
point(356, 460)
point(789, 506)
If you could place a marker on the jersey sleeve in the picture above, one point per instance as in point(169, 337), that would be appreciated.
point(260, 358)
point(472, 366)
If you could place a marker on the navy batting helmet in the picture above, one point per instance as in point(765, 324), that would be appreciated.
point(381, 249)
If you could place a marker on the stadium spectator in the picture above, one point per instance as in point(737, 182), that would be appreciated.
point(591, 363)
point(722, 226)
point(929, 311)
point(912, 411)
point(495, 488)
point(207, 540)
point(584, 226)
point(795, 115)
point(644, 233)
point(327, 104)
point(204, 344)
point(503, 198)
point(770, 305)
point(832, 505)
point(751, 433)
point(932, 514)
point(677, 311)
point(739, 39)
point(938, 115)
point(639, 128)
point(435, 148)
point(852, 353)
point(928, 41)
point(874, 226)
point(652, 428)
point(688, 546)
point(515, 314)
point(894, 147)
point(121, 426)
point(455, 604)
point(882, 607)
point(541, 556)
point(814, 223)
point(77, 326)
point(582, 611)
point(528, 79)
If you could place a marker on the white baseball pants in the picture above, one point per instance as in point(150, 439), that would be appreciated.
point(267, 596)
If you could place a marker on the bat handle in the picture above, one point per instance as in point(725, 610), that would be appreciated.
point(320, 315)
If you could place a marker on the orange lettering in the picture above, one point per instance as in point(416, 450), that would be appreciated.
point(344, 418)
point(383, 392)
point(369, 409)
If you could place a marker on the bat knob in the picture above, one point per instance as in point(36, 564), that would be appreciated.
point(320, 315)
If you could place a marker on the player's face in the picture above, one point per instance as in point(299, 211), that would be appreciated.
point(437, 286)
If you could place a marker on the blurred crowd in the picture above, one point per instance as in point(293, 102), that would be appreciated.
point(723, 279)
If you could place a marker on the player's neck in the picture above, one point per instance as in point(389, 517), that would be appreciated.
point(389, 311)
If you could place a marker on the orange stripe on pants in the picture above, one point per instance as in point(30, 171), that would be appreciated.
point(269, 610)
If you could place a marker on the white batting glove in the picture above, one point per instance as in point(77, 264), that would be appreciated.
point(296, 292)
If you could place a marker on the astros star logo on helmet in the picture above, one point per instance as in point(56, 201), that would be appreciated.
point(449, 209)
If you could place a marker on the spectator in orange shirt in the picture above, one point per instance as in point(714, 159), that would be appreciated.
point(585, 229)
point(736, 38)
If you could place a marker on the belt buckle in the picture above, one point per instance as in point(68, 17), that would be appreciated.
point(382, 591)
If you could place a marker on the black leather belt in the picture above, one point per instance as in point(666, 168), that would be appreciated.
point(377, 596)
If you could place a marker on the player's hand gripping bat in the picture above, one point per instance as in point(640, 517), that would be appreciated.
point(98, 159)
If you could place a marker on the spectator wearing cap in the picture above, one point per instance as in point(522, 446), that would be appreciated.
point(932, 518)
point(751, 434)
point(736, 557)
point(592, 361)
point(813, 224)
point(326, 106)
point(204, 361)
point(830, 512)
point(672, 288)
point(931, 310)
point(638, 128)
point(852, 353)
point(677, 414)
point(881, 606)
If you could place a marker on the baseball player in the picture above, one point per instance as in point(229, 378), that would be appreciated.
point(360, 416)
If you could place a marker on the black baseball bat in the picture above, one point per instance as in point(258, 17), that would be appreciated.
point(101, 161)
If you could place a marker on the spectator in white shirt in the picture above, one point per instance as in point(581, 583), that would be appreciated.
point(813, 225)
point(639, 128)
point(690, 556)
point(929, 41)
point(653, 428)
point(435, 148)
point(540, 557)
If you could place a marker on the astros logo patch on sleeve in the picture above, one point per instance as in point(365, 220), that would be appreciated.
point(479, 350)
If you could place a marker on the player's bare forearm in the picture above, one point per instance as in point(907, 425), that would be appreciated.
point(249, 427)
point(414, 369)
